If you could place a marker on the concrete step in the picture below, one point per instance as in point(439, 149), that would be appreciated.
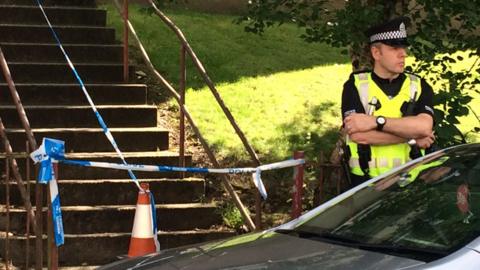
point(72, 94)
point(103, 248)
point(49, 52)
point(67, 34)
point(82, 3)
point(81, 116)
point(94, 140)
point(163, 158)
point(24, 72)
point(118, 191)
point(65, 15)
point(93, 219)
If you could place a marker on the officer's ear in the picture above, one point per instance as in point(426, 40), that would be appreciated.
point(375, 50)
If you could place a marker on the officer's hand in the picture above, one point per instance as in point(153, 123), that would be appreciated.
point(359, 122)
point(425, 142)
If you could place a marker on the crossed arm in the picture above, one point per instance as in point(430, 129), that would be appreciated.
point(362, 129)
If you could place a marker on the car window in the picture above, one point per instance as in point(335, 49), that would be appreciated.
point(433, 205)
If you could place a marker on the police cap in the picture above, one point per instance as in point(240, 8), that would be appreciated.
point(392, 33)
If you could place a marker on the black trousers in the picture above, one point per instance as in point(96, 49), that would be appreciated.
point(357, 179)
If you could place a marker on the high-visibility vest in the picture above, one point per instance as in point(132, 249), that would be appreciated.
point(383, 157)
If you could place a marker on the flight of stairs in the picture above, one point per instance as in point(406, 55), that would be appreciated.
point(97, 204)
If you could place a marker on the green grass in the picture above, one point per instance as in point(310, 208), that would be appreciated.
point(273, 110)
point(227, 52)
point(283, 92)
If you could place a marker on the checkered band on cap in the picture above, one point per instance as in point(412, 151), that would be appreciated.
point(388, 35)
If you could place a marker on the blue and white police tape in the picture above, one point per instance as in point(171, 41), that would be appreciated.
point(256, 172)
point(106, 131)
point(56, 213)
point(154, 221)
point(49, 152)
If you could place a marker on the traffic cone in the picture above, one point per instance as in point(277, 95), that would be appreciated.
point(142, 241)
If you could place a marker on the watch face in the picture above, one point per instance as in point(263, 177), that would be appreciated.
point(381, 120)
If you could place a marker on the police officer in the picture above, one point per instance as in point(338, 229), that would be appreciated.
point(374, 105)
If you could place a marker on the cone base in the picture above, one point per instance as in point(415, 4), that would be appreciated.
point(141, 246)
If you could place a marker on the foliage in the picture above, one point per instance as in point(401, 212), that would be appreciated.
point(231, 216)
point(439, 30)
point(450, 26)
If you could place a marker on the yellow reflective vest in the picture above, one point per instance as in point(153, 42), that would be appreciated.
point(383, 157)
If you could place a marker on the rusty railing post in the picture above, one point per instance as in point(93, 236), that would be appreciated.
point(181, 85)
point(258, 209)
point(321, 184)
point(298, 186)
point(27, 229)
point(7, 203)
point(125, 41)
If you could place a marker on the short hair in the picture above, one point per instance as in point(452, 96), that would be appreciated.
point(375, 44)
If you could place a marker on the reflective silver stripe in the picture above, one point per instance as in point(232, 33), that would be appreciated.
point(363, 89)
point(354, 163)
point(363, 76)
point(376, 163)
point(413, 85)
point(397, 162)
point(382, 162)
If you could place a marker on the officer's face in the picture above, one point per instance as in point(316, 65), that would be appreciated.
point(388, 59)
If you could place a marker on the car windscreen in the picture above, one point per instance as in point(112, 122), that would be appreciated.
point(431, 206)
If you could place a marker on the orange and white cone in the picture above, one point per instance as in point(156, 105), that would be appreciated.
point(143, 239)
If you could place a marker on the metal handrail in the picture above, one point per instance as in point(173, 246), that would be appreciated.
point(192, 123)
point(208, 81)
point(36, 220)
point(201, 69)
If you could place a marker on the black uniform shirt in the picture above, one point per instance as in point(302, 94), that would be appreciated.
point(351, 100)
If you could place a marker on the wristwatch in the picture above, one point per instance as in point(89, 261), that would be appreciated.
point(380, 122)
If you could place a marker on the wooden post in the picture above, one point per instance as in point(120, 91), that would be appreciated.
point(298, 186)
